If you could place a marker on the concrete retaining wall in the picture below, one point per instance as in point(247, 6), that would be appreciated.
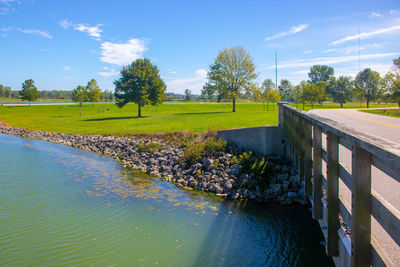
point(266, 140)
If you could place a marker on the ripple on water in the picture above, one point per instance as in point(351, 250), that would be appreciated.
point(64, 206)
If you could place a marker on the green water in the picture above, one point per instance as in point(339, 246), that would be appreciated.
point(61, 206)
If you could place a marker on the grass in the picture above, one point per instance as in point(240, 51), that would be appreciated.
point(385, 112)
point(353, 105)
point(109, 119)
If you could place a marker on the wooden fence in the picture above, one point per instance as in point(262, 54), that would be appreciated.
point(344, 227)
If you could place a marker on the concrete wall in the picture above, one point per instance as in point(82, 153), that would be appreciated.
point(266, 140)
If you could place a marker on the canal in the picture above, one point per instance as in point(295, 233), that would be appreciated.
point(65, 206)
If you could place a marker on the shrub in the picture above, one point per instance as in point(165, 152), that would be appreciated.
point(195, 150)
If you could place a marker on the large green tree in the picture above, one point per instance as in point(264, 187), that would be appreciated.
point(320, 73)
point(79, 94)
point(266, 86)
point(342, 89)
point(93, 91)
point(367, 83)
point(284, 89)
point(232, 72)
point(29, 91)
point(392, 82)
point(140, 83)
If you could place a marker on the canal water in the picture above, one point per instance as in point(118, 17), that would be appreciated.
point(68, 207)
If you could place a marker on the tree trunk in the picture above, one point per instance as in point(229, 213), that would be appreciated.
point(139, 110)
point(398, 104)
point(29, 103)
point(367, 101)
point(267, 105)
point(234, 102)
point(273, 106)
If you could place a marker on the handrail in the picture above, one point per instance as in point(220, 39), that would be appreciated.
point(303, 133)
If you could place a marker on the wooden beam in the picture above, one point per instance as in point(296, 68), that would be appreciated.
point(361, 208)
point(301, 148)
point(333, 194)
point(308, 158)
point(317, 172)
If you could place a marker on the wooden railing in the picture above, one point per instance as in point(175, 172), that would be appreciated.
point(341, 224)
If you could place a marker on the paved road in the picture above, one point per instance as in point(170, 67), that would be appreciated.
point(378, 126)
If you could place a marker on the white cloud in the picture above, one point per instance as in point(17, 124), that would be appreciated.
point(201, 73)
point(292, 30)
point(6, 1)
point(172, 72)
point(93, 31)
point(67, 68)
point(308, 51)
point(375, 15)
point(366, 35)
point(6, 29)
point(36, 32)
point(394, 12)
point(108, 72)
point(65, 24)
point(122, 53)
point(329, 60)
point(193, 83)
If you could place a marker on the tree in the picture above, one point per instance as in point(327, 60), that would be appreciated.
point(140, 83)
point(342, 89)
point(188, 95)
point(320, 73)
point(266, 86)
point(391, 82)
point(93, 91)
point(79, 94)
point(311, 93)
point(367, 83)
point(231, 73)
point(29, 91)
point(273, 96)
point(284, 89)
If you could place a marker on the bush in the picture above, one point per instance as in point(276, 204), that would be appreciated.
point(195, 150)
point(261, 167)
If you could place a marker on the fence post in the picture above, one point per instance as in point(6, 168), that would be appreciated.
point(333, 194)
point(317, 172)
point(308, 157)
point(361, 208)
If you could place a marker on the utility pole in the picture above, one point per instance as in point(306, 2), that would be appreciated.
point(276, 71)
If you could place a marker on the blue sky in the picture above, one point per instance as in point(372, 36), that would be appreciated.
point(63, 44)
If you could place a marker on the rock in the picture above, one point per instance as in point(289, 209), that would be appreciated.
point(292, 195)
point(282, 177)
point(235, 170)
point(207, 163)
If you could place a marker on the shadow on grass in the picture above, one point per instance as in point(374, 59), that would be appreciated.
point(116, 118)
point(203, 113)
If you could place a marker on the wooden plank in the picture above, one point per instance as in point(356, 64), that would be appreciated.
point(345, 176)
point(344, 210)
point(392, 171)
point(361, 208)
point(301, 148)
point(387, 216)
point(378, 255)
point(308, 158)
point(333, 194)
point(317, 172)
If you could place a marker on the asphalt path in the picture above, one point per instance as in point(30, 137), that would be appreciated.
point(383, 127)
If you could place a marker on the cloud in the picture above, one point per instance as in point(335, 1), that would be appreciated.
point(36, 32)
point(375, 15)
point(329, 60)
point(93, 31)
point(122, 53)
point(394, 12)
point(67, 68)
point(65, 24)
point(292, 30)
point(108, 72)
point(193, 83)
point(172, 72)
point(366, 35)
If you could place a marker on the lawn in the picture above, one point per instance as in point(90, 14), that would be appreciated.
point(109, 119)
point(385, 112)
point(353, 105)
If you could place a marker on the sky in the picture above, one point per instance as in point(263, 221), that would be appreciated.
point(62, 44)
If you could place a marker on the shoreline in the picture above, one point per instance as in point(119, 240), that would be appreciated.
point(154, 156)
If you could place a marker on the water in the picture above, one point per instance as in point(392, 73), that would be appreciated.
point(64, 206)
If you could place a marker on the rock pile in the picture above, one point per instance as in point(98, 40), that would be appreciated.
point(153, 155)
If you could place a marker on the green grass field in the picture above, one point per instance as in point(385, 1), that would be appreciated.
point(308, 107)
point(385, 112)
point(109, 119)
